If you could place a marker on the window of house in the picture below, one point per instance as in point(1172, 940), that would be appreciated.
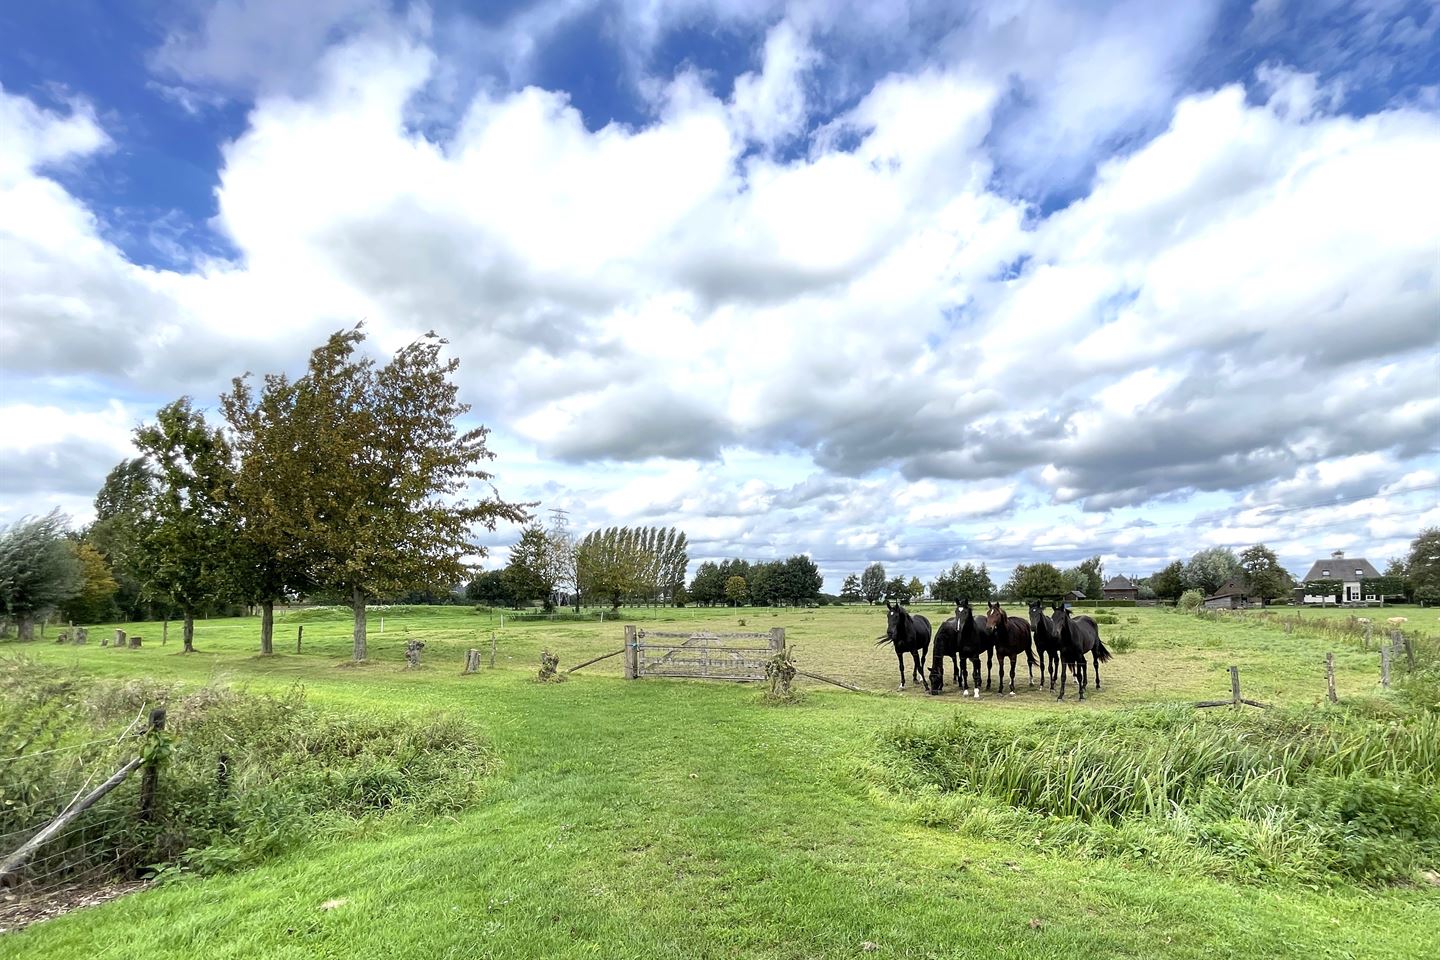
point(1324, 573)
point(1359, 573)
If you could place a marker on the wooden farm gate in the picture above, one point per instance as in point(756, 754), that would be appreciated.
point(700, 655)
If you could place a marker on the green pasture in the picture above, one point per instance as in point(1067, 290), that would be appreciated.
point(684, 819)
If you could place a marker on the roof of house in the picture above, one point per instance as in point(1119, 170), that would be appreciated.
point(1118, 582)
point(1340, 568)
point(1234, 587)
point(1076, 594)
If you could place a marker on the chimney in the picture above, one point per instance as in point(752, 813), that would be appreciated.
point(1338, 555)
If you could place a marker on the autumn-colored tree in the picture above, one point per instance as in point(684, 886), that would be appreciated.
point(383, 471)
point(185, 532)
point(95, 603)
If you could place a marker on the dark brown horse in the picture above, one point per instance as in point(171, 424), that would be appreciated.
point(910, 633)
point(1079, 636)
point(1047, 642)
point(973, 637)
point(1012, 638)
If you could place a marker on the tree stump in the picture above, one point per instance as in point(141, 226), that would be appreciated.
point(119, 638)
point(412, 653)
point(81, 635)
point(472, 660)
point(104, 641)
point(135, 643)
point(549, 668)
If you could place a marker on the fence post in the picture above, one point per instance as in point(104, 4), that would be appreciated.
point(1385, 666)
point(777, 640)
point(165, 631)
point(299, 635)
point(492, 649)
point(472, 660)
point(1409, 652)
point(1330, 677)
point(1235, 686)
point(150, 771)
point(632, 653)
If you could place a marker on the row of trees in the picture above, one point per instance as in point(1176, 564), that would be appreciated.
point(795, 581)
point(352, 481)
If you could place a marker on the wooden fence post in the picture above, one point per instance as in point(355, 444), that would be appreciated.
point(1385, 666)
point(150, 771)
point(777, 640)
point(632, 653)
point(165, 631)
point(1330, 678)
point(299, 635)
point(1235, 686)
point(492, 649)
point(1409, 652)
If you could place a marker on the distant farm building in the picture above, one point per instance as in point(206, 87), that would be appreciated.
point(1075, 595)
point(1232, 595)
point(1120, 588)
point(1350, 572)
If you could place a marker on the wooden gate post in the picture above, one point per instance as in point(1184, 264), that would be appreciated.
point(150, 771)
point(1235, 686)
point(1385, 666)
point(1330, 677)
point(632, 653)
point(777, 640)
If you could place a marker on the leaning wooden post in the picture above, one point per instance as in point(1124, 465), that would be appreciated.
point(150, 772)
point(1384, 666)
point(1235, 686)
point(1330, 677)
point(632, 653)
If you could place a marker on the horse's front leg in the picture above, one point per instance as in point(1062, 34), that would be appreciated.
point(1012, 674)
point(989, 663)
point(915, 659)
point(955, 666)
point(1080, 676)
point(900, 656)
point(975, 663)
point(1062, 683)
point(1055, 666)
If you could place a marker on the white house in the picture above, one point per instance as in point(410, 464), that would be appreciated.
point(1350, 571)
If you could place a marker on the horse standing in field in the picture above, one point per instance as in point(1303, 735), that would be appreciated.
point(973, 637)
point(1047, 642)
point(1079, 636)
point(1012, 638)
point(947, 644)
point(910, 633)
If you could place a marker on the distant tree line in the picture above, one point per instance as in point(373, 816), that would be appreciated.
point(795, 581)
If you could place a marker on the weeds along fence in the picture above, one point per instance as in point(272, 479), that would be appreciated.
point(72, 813)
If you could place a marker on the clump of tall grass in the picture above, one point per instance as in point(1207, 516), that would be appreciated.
point(1253, 795)
point(289, 772)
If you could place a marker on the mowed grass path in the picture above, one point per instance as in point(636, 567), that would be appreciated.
point(678, 819)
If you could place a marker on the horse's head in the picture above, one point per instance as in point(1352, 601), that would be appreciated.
point(995, 617)
point(895, 620)
point(936, 681)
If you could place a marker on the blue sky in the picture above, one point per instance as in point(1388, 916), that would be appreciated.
point(916, 282)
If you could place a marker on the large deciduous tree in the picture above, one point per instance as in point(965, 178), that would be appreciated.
point(38, 570)
point(119, 513)
point(186, 531)
point(1263, 574)
point(95, 601)
point(872, 582)
point(383, 506)
point(1035, 580)
point(1169, 582)
point(1423, 566)
point(1208, 570)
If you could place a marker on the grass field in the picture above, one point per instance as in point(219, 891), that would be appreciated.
point(680, 819)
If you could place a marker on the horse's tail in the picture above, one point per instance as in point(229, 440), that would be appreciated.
point(1102, 655)
point(1029, 655)
point(882, 641)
